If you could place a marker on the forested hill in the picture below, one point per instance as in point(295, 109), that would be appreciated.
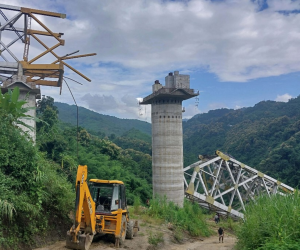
point(98, 123)
point(266, 137)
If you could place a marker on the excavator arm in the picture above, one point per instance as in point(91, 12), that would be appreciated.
point(81, 234)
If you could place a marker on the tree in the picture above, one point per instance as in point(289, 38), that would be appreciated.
point(44, 103)
point(12, 109)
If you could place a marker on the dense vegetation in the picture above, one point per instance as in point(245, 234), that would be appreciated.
point(271, 223)
point(265, 137)
point(98, 124)
point(105, 159)
point(34, 193)
point(190, 217)
point(37, 184)
point(37, 181)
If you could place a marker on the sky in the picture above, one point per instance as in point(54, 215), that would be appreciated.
point(237, 52)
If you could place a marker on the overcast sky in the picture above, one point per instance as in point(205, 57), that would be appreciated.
point(237, 52)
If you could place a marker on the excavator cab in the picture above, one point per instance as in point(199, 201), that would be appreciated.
point(100, 208)
point(108, 196)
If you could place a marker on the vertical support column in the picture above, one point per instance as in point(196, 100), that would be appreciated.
point(167, 149)
point(30, 98)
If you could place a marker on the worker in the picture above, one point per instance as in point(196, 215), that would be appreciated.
point(221, 234)
point(217, 218)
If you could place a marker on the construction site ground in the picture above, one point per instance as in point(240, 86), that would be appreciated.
point(147, 228)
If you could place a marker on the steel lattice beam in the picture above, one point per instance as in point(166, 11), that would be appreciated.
point(225, 185)
point(27, 66)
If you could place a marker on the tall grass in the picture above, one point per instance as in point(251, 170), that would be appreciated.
point(271, 223)
point(7, 209)
point(189, 217)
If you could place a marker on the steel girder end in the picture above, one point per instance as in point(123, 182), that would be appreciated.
point(191, 189)
point(222, 155)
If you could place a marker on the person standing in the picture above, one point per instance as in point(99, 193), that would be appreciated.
point(221, 234)
point(217, 218)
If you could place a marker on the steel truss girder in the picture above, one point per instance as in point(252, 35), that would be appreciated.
point(24, 35)
point(230, 184)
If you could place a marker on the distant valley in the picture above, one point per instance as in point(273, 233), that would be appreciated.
point(265, 137)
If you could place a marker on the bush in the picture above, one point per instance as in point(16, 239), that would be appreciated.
point(33, 191)
point(189, 217)
point(271, 223)
point(155, 239)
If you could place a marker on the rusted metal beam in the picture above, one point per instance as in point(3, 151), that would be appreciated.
point(27, 66)
point(45, 46)
point(82, 75)
point(44, 26)
point(72, 57)
point(44, 53)
point(42, 12)
point(46, 83)
point(44, 33)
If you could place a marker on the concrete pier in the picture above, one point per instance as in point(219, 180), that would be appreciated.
point(167, 146)
point(29, 92)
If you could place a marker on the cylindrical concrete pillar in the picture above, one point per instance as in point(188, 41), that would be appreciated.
point(30, 99)
point(167, 149)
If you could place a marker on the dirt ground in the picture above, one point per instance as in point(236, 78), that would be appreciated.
point(140, 242)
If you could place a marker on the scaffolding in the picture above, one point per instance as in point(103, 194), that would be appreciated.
point(50, 74)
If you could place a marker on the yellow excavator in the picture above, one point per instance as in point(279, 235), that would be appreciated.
point(100, 208)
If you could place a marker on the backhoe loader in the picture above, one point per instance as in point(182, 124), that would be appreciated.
point(100, 208)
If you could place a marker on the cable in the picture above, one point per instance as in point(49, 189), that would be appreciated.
point(73, 80)
point(77, 115)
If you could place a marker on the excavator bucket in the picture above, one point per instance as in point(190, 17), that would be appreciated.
point(84, 241)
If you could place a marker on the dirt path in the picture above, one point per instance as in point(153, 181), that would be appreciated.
point(141, 243)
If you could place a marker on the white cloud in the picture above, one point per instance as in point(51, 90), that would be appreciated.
point(283, 98)
point(237, 107)
point(216, 105)
point(190, 111)
point(139, 41)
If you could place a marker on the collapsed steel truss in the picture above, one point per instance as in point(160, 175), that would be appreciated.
point(225, 185)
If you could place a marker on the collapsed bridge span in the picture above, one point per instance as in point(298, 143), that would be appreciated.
point(225, 185)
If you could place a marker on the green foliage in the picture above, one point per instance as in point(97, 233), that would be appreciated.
point(12, 110)
point(264, 136)
point(137, 205)
point(99, 124)
point(105, 159)
point(33, 191)
point(6, 210)
point(189, 218)
point(271, 223)
point(229, 224)
point(178, 234)
point(155, 238)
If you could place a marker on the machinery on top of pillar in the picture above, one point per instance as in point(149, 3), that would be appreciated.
point(167, 145)
point(26, 74)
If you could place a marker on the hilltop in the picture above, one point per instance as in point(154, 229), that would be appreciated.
point(265, 137)
point(102, 125)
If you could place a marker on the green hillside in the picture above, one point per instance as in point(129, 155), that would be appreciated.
point(266, 137)
point(99, 124)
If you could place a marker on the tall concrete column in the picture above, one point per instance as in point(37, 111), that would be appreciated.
point(29, 92)
point(167, 146)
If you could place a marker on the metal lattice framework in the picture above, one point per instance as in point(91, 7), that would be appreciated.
point(225, 185)
point(39, 74)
